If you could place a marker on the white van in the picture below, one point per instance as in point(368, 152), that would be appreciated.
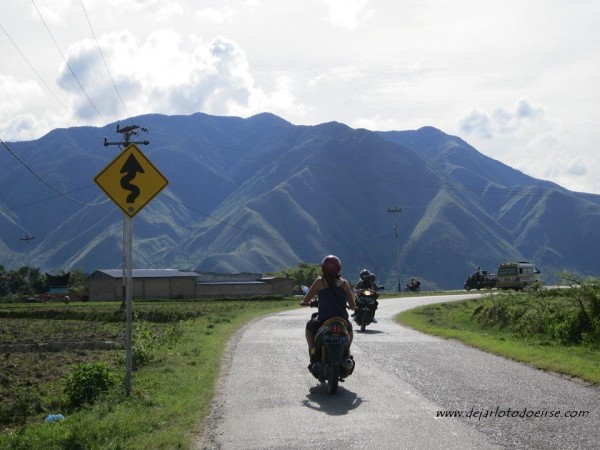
point(517, 275)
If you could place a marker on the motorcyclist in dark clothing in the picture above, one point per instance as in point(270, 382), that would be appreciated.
point(414, 285)
point(367, 281)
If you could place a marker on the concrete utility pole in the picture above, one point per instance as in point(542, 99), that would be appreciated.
point(395, 211)
point(27, 239)
point(128, 259)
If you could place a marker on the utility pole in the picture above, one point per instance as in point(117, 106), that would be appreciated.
point(395, 211)
point(27, 239)
point(128, 259)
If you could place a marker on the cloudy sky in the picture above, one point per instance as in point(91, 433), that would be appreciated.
point(517, 79)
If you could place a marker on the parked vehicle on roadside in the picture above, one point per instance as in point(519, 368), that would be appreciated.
point(481, 280)
point(518, 275)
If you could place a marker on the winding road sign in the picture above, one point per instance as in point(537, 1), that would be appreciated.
point(131, 180)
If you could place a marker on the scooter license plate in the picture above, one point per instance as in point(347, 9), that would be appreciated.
point(330, 339)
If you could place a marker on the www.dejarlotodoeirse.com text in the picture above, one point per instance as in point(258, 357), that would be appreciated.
point(500, 413)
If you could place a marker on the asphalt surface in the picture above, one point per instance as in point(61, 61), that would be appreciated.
point(403, 381)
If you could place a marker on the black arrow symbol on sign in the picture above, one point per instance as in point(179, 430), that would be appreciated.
point(131, 168)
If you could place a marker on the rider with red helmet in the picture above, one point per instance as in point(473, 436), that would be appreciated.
point(335, 296)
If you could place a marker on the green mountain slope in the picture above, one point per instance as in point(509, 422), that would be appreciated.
point(261, 194)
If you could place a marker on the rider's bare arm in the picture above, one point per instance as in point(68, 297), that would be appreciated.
point(314, 289)
point(349, 296)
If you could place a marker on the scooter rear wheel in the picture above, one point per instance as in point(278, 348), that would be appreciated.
point(334, 377)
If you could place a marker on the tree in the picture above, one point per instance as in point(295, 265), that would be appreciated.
point(4, 291)
point(78, 282)
point(304, 274)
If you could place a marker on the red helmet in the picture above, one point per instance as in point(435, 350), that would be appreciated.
point(331, 266)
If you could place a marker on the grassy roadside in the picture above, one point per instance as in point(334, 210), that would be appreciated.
point(457, 320)
point(170, 397)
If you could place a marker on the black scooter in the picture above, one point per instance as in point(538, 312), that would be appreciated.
point(366, 303)
point(333, 362)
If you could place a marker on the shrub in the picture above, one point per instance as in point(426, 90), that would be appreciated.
point(567, 316)
point(87, 382)
point(148, 337)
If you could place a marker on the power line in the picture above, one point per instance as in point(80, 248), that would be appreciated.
point(45, 199)
point(67, 62)
point(44, 181)
point(39, 76)
point(104, 59)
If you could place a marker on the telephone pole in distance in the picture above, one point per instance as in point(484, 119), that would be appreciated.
point(395, 211)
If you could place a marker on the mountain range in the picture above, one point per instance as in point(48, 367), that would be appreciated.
point(261, 194)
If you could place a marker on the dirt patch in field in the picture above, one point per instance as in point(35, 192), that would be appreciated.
point(36, 354)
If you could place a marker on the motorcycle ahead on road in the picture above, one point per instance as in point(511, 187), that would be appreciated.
point(365, 307)
point(413, 286)
point(333, 362)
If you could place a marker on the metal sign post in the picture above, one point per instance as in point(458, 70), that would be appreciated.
point(131, 181)
point(128, 259)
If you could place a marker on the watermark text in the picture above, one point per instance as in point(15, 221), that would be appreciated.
point(510, 413)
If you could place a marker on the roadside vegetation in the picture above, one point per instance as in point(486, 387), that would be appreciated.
point(75, 398)
point(303, 275)
point(551, 329)
point(28, 282)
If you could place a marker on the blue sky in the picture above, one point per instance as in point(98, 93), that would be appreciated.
point(518, 80)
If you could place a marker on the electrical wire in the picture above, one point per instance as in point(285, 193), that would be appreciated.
point(61, 194)
point(67, 62)
point(39, 76)
point(104, 59)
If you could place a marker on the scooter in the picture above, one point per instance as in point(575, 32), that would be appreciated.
point(333, 362)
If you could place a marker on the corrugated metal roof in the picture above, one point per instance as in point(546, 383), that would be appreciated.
point(149, 273)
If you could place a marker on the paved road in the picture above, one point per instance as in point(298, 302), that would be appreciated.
point(403, 379)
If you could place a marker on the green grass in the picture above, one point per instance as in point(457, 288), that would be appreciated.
point(173, 394)
point(455, 321)
point(170, 397)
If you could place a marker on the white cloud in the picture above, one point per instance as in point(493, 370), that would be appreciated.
point(522, 119)
point(377, 123)
point(345, 13)
point(577, 168)
point(222, 15)
point(53, 11)
point(15, 97)
point(166, 75)
point(476, 123)
point(522, 137)
point(14, 94)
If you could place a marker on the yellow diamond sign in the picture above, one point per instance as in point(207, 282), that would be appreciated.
point(131, 180)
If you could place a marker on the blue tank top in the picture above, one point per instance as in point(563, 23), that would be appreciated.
point(332, 303)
